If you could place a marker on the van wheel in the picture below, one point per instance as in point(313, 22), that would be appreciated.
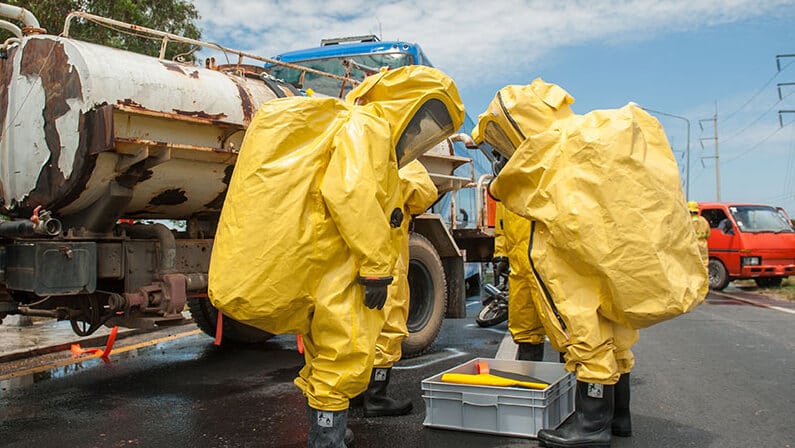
point(718, 276)
point(206, 316)
point(768, 282)
point(428, 296)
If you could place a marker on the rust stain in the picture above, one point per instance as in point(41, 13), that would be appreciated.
point(129, 103)
point(46, 59)
point(146, 175)
point(173, 66)
point(218, 201)
point(246, 102)
point(99, 130)
point(200, 114)
point(6, 74)
point(171, 196)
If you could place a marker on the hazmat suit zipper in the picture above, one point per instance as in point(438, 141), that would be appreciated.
point(510, 119)
point(537, 276)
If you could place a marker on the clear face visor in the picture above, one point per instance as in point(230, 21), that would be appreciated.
point(429, 126)
point(496, 137)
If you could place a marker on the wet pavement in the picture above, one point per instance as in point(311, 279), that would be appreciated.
point(22, 337)
point(720, 376)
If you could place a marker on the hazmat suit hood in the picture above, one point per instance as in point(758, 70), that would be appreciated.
point(604, 191)
point(421, 102)
point(518, 112)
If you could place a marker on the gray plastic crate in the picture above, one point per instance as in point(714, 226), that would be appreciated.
point(510, 411)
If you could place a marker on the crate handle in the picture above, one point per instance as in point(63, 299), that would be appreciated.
point(479, 399)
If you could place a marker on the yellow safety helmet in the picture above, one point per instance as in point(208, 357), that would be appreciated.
point(517, 112)
point(692, 206)
point(422, 104)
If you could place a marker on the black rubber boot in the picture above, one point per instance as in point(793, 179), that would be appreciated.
point(328, 429)
point(622, 420)
point(530, 352)
point(376, 402)
point(589, 426)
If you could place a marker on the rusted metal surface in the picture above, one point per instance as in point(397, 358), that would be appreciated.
point(44, 73)
point(78, 121)
point(245, 102)
point(6, 72)
point(171, 196)
point(169, 37)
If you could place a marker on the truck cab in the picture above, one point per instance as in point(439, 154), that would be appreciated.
point(748, 241)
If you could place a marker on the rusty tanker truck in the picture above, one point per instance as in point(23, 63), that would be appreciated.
point(101, 148)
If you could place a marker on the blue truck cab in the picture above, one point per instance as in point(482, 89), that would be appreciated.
point(352, 57)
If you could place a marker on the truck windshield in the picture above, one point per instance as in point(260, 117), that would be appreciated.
point(352, 66)
point(754, 219)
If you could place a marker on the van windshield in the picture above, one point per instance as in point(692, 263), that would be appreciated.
point(757, 218)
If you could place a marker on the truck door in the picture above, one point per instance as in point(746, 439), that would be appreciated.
point(724, 247)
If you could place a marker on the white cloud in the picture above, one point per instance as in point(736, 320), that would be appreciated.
point(461, 36)
point(484, 45)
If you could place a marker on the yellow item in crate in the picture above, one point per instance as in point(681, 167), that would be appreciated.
point(487, 379)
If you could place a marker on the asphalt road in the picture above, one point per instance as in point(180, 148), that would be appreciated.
point(721, 376)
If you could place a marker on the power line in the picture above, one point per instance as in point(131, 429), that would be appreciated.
point(758, 144)
point(761, 89)
point(757, 119)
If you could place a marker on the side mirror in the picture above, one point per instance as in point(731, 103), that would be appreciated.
point(725, 226)
point(465, 139)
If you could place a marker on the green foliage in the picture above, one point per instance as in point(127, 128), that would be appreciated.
point(173, 16)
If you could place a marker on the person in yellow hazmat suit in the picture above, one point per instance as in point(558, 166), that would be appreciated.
point(701, 227)
point(418, 192)
point(610, 246)
point(511, 239)
point(306, 237)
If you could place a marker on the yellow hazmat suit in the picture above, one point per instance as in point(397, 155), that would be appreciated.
point(611, 249)
point(312, 209)
point(701, 227)
point(418, 193)
point(524, 323)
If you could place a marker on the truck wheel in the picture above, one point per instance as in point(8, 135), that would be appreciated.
point(428, 296)
point(768, 282)
point(206, 316)
point(718, 276)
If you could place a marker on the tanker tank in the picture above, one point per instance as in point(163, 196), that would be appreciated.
point(93, 133)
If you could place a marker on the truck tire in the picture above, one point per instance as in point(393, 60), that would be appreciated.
point(206, 316)
point(718, 275)
point(768, 282)
point(428, 299)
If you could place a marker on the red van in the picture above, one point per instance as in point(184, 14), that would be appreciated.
point(748, 241)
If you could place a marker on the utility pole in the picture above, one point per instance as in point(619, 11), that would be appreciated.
point(779, 57)
point(714, 121)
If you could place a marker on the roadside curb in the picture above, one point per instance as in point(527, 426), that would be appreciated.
point(88, 341)
point(752, 302)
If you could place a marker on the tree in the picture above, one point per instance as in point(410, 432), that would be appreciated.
point(173, 16)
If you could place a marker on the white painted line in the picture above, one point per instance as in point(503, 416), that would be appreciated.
point(453, 354)
point(507, 348)
point(751, 302)
point(785, 310)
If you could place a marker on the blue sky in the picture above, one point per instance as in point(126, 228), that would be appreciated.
point(678, 57)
